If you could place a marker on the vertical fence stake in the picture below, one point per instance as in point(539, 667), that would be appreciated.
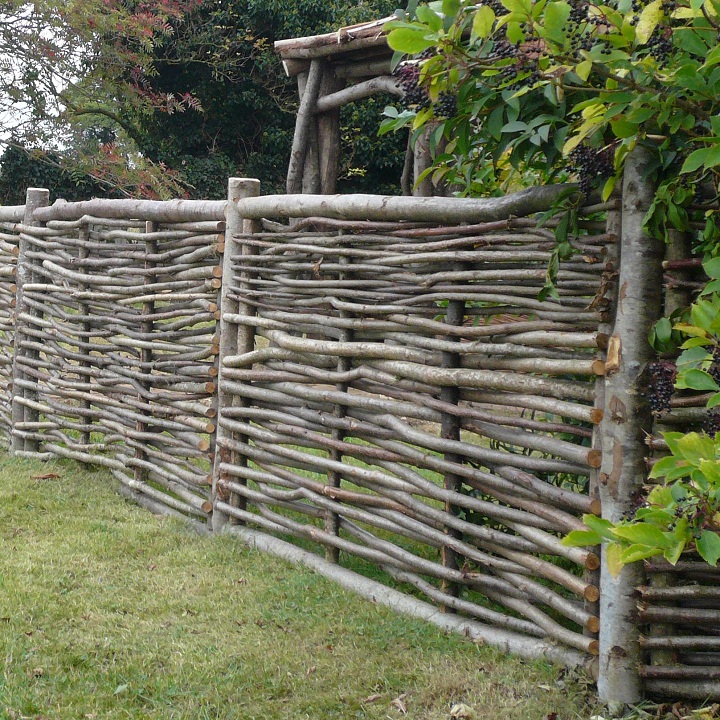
point(34, 198)
point(450, 430)
point(334, 478)
point(234, 338)
point(623, 470)
point(613, 227)
point(83, 253)
point(147, 327)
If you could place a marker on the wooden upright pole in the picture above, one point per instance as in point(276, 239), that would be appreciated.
point(35, 198)
point(626, 420)
point(234, 339)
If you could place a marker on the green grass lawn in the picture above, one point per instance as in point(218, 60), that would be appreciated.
point(109, 612)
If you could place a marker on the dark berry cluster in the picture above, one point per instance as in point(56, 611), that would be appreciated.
point(495, 5)
point(660, 44)
point(445, 106)
point(503, 49)
point(661, 385)
point(414, 95)
point(714, 369)
point(524, 69)
point(711, 426)
point(578, 14)
point(591, 165)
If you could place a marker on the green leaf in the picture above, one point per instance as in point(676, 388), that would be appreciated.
point(666, 465)
point(450, 7)
point(581, 538)
point(430, 18)
point(483, 22)
point(704, 157)
point(608, 188)
point(714, 401)
point(693, 357)
point(704, 312)
point(601, 526)
point(613, 558)
point(712, 268)
point(623, 129)
point(519, 6)
point(696, 380)
point(648, 20)
point(642, 534)
point(583, 69)
point(708, 545)
point(638, 552)
point(695, 448)
point(673, 553)
point(663, 330)
point(410, 40)
point(556, 15)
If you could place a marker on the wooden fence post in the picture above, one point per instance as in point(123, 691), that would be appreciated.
point(34, 198)
point(626, 419)
point(234, 339)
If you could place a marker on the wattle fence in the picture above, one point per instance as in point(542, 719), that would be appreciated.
point(374, 378)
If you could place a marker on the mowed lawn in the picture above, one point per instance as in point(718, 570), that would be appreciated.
point(107, 611)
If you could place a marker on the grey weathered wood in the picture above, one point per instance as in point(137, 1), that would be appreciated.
point(385, 84)
point(232, 340)
point(394, 209)
point(626, 419)
point(147, 210)
point(304, 126)
point(36, 198)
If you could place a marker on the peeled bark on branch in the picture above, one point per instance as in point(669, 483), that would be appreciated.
point(377, 207)
point(386, 84)
point(151, 210)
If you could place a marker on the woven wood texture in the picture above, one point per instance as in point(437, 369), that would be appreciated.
point(409, 401)
point(117, 349)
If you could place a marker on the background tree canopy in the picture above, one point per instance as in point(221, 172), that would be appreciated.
point(196, 96)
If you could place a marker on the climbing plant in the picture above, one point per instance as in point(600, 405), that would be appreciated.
point(525, 91)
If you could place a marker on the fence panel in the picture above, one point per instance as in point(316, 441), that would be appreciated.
point(118, 349)
point(10, 220)
point(409, 402)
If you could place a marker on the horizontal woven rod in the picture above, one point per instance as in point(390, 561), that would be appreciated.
point(375, 591)
point(378, 207)
point(675, 672)
point(474, 610)
point(157, 495)
point(546, 405)
point(384, 499)
point(372, 476)
point(148, 210)
point(158, 508)
point(379, 482)
point(200, 503)
point(478, 452)
point(388, 521)
point(681, 642)
point(496, 418)
point(696, 689)
point(679, 592)
point(679, 616)
point(570, 609)
point(12, 213)
point(535, 614)
point(491, 483)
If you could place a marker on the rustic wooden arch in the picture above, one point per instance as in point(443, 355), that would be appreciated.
point(333, 70)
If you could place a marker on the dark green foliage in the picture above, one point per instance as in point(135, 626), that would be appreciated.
point(368, 163)
point(21, 169)
point(222, 54)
